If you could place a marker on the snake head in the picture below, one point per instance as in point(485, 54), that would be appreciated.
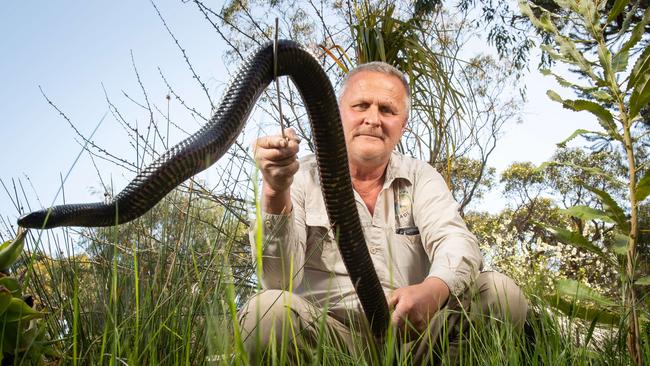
point(34, 220)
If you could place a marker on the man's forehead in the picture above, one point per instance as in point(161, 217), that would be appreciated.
point(375, 84)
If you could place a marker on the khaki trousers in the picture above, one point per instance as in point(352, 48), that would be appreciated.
point(272, 316)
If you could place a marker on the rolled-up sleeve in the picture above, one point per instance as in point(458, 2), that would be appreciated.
point(282, 245)
point(453, 251)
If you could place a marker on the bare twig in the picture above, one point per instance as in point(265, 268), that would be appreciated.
point(187, 60)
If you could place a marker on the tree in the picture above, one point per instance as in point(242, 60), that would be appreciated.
point(516, 239)
point(458, 108)
point(622, 96)
point(512, 33)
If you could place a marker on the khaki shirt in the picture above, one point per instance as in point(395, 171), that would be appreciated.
point(300, 251)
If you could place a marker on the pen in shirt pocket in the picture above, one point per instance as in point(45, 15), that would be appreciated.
point(412, 230)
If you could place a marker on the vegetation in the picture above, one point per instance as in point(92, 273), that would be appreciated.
point(575, 232)
point(23, 337)
point(622, 94)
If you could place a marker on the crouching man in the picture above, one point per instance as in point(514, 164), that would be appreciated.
point(427, 261)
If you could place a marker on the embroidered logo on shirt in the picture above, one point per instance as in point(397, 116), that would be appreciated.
point(403, 206)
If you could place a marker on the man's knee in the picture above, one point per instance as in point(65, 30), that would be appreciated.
point(274, 317)
point(265, 311)
point(500, 297)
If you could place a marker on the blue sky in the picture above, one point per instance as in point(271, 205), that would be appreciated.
point(70, 48)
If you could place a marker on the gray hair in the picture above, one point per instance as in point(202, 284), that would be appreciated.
point(382, 68)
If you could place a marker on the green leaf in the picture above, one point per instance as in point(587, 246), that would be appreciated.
point(643, 281)
point(11, 252)
point(5, 244)
point(565, 83)
point(570, 51)
point(589, 13)
point(576, 239)
point(543, 23)
point(640, 96)
point(546, 23)
point(574, 310)
point(612, 208)
point(601, 95)
point(643, 187)
point(590, 332)
point(619, 62)
point(5, 299)
point(576, 133)
point(587, 213)
point(19, 310)
point(636, 33)
point(618, 7)
point(553, 54)
point(554, 96)
point(605, 58)
point(12, 284)
point(641, 67)
point(578, 291)
point(605, 118)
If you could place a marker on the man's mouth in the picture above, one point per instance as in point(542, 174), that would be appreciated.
point(370, 135)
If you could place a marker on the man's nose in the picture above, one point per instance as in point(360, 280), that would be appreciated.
point(372, 116)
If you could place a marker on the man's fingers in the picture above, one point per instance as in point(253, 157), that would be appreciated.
point(281, 162)
point(277, 141)
point(291, 134)
point(269, 148)
point(276, 156)
point(392, 300)
point(271, 142)
point(399, 315)
point(396, 320)
point(277, 171)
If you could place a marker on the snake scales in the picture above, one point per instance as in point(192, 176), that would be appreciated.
point(206, 146)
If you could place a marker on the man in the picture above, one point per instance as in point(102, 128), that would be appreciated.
point(425, 257)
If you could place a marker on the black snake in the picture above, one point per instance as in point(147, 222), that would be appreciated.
point(206, 146)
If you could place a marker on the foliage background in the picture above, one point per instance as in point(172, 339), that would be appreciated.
point(166, 274)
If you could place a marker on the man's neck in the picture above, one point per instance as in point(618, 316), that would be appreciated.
point(368, 181)
point(368, 170)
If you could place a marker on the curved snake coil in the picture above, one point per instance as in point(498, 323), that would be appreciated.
point(206, 146)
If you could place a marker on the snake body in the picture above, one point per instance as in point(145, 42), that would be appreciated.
point(206, 146)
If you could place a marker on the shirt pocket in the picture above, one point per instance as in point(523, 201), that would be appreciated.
point(323, 250)
point(319, 240)
point(408, 258)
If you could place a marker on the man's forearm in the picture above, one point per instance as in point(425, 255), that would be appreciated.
point(457, 262)
point(274, 202)
point(438, 289)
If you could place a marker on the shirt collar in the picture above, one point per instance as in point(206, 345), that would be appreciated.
point(396, 169)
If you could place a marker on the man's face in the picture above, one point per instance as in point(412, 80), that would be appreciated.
point(373, 111)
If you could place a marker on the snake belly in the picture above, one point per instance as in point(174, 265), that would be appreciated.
point(199, 151)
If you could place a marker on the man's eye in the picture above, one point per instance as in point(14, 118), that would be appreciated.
point(387, 110)
point(361, 106)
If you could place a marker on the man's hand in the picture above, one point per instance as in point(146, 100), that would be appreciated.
point(276, 158)
point(415, 305)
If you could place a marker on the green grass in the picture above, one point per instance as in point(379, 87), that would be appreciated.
point(165, 289)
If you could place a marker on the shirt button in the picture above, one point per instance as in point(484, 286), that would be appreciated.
point(267, 224)
point(373, 250)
